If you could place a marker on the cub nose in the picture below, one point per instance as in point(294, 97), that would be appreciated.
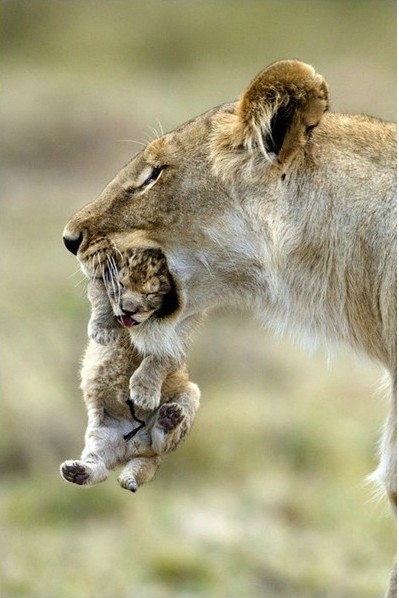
point(73, 244)
point(130, 312)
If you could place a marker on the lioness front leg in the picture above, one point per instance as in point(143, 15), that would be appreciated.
point(146, 382)
point(387, 473)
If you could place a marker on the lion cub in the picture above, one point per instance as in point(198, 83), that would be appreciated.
point(135, 287)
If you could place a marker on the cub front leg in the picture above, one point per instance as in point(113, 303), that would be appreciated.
point(101, 334)
point(146, 382)
point(104, 447)
point(103, 327)
point(87, 472)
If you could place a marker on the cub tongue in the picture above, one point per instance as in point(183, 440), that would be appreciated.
point(126, 321)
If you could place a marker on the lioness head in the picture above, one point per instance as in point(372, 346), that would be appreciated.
point(196, 191)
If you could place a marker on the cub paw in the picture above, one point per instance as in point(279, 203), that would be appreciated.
point(103, 336)
point(75, 472)
point(145, 396)
point(170, 416)
point(169, 429)
point(128, 482)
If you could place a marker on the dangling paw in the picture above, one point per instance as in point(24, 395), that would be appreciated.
point(128, 482)
point(144, 394)
point(75, 472)
point(82, 473)
point(170, 416)
point(168, 431)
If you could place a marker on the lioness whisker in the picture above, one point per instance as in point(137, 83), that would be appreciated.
point(154, 131)
point(116, 249)
point(98, 269)
point(110, 280)
point(82, 281)
point(147, 138)
point(162, 132)
point(77, 271)
point(132, 141)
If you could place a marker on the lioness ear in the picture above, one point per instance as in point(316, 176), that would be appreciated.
point(280, 108)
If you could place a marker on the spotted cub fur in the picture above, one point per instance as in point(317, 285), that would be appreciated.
point(134, 287)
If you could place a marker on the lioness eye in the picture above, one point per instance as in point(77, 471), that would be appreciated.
point(153, 176)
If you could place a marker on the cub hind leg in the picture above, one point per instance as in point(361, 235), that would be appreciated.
point(138, 471)
point(104, 447)
point(174, 419)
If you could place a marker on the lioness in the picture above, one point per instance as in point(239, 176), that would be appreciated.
point(136, 287)
point(274, 203)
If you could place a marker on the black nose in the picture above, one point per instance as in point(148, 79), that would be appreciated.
point(73, 244)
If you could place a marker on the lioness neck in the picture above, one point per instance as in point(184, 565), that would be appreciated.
point(322, 260)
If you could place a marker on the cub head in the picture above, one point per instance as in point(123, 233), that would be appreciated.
point(191, 191)
point(139, 286)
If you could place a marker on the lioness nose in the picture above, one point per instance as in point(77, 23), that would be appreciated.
point(73, 244)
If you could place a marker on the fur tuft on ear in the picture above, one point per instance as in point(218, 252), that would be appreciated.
point(280, 107)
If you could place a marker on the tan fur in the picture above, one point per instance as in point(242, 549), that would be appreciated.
point(274, 203)
point(139, 284)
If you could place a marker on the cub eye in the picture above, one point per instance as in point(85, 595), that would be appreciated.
point(153, 176)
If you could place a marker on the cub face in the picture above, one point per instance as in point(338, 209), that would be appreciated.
point(138, 287)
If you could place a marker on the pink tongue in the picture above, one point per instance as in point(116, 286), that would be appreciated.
point(126, 321)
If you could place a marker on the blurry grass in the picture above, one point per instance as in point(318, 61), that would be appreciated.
point(267, 495)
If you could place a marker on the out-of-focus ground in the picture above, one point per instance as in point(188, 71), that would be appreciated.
point(267, 496)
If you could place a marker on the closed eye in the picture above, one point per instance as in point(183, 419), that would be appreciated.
point(153, 176)
point(155, 173)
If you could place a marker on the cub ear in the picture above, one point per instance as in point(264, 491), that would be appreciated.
point(281, 106)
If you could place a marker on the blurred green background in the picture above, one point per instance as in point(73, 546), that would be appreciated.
point(267, 496)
